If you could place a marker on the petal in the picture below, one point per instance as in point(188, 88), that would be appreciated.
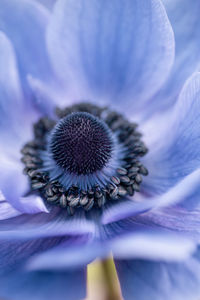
point(180, 192)
point(111, 50)
point(48, 3)
point(48, 95)
point(6, 210)
point(168, 161)
point(44, 285)
point(24, 22)
point(13, 183)
point(56, 223)
point(176, 219)
point(32, 204)
point(141, 279)
point(16, 251)
point(39, 285)
point(14, 129)
point(71, 254)
point(10, 90)
point(184, 17)
point(152, 244)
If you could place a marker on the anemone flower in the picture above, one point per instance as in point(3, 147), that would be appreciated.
point(99, 147)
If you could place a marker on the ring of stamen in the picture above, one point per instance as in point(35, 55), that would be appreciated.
point(124, 180)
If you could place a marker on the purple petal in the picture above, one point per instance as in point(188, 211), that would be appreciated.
point(180, 192)
point(55, 223)
point(13, 183)
point(14, 129)
point(184, 17)
point(48, 3)
point(32, 205)
point(48, 95)
point(141, 279)
point(170, 160)
point(6, 210)
point(153, 245)
point(111, 50)
point(64, 285)
point(24, 22)
point(71, 254)
point(11, 105)
point(15, 252)
point(176, 219)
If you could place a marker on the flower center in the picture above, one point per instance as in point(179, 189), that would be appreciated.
point(81, 143)
point(87, 157)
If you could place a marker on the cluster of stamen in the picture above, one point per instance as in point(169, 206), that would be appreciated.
point(124, 182)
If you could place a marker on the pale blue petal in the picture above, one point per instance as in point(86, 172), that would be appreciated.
point(11, 104)
point(64, 285)
point(43, 225)
point(6, 210)
point(32, 204)
point(184, 17)
point(14, 129)
point(47, 3)
point(170, 160)
point(111, 50)
point(142, 280)
point(16, 251)
point(180, 192)
point(13, 183)
point(176, 219)
point(155, 245)
point(71, 254)
point(48, 95)
point(24, 22)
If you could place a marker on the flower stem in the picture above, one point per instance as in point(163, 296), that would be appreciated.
point(103, 282)
point(111, 280)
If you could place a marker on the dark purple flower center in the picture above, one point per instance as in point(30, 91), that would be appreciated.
point(81, 143)
point(84, 157)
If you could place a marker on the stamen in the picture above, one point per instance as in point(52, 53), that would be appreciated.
point(90, 156)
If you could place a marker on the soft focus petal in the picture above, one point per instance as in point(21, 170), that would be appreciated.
point(13, 183)
point(180, 192)
point(184, 17)
point(141, 244)
point(24, 22)
point(32, 204)
point(169, 160)
point(6, 210)
point(15, 253)
point(48, 3)
point(11, 104)
point(116, 50)
point(69, 254)
point(143, 280)
point(44, 285)
point(14, 129)
point(47, 95)
point(55, 223)
point(153, 245)
point(176, 219)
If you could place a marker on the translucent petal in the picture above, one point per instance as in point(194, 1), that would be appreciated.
point(111, 50)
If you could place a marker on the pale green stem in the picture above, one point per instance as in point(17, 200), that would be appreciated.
point(103, 282)
point(111, 280)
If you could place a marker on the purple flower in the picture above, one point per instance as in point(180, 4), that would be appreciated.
point(103, 65)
